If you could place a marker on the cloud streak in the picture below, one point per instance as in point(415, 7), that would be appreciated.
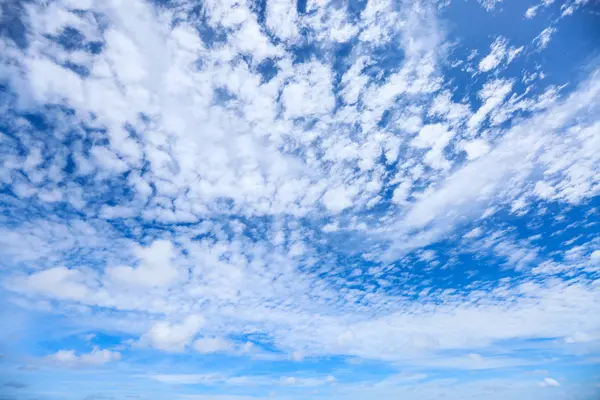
point(326, 187)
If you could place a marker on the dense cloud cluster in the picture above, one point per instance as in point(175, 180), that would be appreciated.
point(286, 182)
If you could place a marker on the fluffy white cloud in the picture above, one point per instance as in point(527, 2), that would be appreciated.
point(543, 39)
point(156, 269)
point(94, 358)
point(492, 94)
point(213, 167)
point(337, 199)
point(281, 19)
point(531, 12)
point(489, 5)
point(476, 148)
point(173, 337)
point(499, 53)
point(57, 282)
point(480, 181)
point(475, 232)
point(309, 93)
point(550, 382)
point(434, 137)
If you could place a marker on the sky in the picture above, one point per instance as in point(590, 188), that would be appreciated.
point(299, 199)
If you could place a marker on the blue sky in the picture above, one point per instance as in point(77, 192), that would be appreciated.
point(318, 199)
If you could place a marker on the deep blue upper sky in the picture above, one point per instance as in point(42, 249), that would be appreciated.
point(317, 199)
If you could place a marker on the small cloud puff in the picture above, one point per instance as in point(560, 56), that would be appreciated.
point(172, 337)
point(94, 358)
point(550, 382)
point(499, 53)
point(542, 40)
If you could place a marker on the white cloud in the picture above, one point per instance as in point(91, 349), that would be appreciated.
point(500, 53)
point(489, 5)
point(94, 358)
point(309, 93)
point(337, 199)
point(479, 181)
point(492, 94)
point(188, 138)
point(476, 148)
point(550, 382)
point(281, 18)
point(531, 12)
point(544, 190)
point(57, 282)
point(434, 137)
point(156, 269)
point(568, 7)
point(513, 386)
point(542, 40)
point(212, 345)
point(233, 380)
point(475, 232)
point(579, 337)
point(173, 337)
point(183, 379)
point(443, 106)
point(402, 192)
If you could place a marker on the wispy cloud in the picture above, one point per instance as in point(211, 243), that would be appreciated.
point(255, 187)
